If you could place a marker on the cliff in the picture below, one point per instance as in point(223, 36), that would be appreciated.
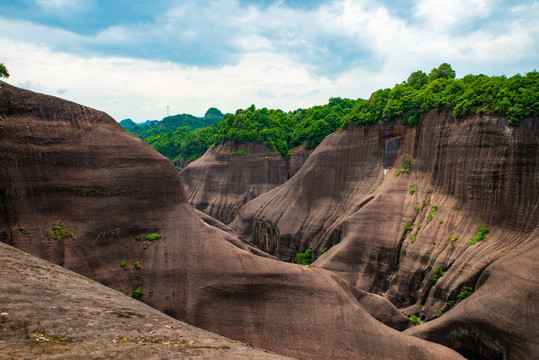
point(407, 236)
point(79, 191)
point(229, 175)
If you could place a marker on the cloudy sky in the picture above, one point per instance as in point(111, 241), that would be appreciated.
point(133, 58)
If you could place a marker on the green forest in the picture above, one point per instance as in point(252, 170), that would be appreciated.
point(188, 137)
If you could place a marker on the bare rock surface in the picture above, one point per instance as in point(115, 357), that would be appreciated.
point(389, 234)
point(79, 191)
point(506, 299)
point(229, 175)
point(48, 312)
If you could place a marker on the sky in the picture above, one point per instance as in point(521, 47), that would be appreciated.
point(133, 58)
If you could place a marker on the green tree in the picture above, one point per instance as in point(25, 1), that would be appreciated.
point(417, 79)
point(3, 71)
point(444, 71)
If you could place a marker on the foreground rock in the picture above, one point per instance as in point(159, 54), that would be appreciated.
point(48, 312)
point(77, 190)
point(407, 236)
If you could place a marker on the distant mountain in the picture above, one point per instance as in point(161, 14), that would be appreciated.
point(128, 124)
point(171, 123)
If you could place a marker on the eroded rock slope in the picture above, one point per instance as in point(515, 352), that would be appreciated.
point(229, 175)
point(79, 191)
point(408, 236)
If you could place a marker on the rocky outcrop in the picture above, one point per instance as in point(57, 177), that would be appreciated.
point(402, 230)
point(79, 191)
point(507, 294)
point(229, 175)
point(48, 312)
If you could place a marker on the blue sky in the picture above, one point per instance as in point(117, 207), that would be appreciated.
point(134, 58)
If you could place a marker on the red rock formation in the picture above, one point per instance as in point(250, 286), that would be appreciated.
point(229, 175)
point(48, 312)
point(347, 198)
point(76, 189)
point(507, 294)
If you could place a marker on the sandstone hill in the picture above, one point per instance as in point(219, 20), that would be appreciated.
point(229, 175)
point(79, 191)
point(398, 207)
point(48, 312)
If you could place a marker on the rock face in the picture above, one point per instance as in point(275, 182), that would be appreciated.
point(408, 236)
point(507, 293)
point(229, 175)
point(48, 312)
point(79, 191)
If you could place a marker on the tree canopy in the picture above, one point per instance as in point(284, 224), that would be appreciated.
point(3, 71)
point(184, 136)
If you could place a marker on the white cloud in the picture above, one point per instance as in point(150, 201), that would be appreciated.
point(275, 57)
point(55, 5)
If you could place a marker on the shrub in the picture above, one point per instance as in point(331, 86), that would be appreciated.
point(324, 249)
point(23, 230)
point(465, 292)
point(137, 264)
point(417, 209)
point(438, 273)
point(137, 293)
point(153, 237)
point(426, 202)
point(406, 165)
point(413, 239)
point(59, 232)
point(123, 263)
point(454, 240)
point(482, 231)
point(372, 190)
point(415, 319)
point(304, 258)
point(432, 213)
point(412, 189)
point(438, 314)
point(239, 152)
point(408, 227)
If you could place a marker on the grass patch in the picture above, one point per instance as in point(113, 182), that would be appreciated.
point(123, 263)
point(153, 237)
point(412, 189)
point(137, 265)
point(239, 152)
point(413, 239)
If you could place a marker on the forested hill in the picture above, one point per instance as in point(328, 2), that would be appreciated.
point(171, 123)
point(516, 98)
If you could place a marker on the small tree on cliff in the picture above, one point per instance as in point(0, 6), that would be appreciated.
point(3, 71)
